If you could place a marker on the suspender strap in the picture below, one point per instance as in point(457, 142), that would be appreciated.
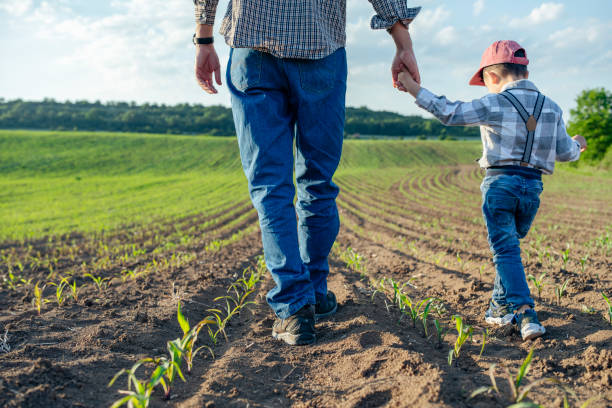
point(531, 121)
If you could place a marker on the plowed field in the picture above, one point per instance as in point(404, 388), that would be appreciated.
point(410, 213)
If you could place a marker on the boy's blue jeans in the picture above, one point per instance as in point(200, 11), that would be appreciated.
point(509, 205)
point(277, 102)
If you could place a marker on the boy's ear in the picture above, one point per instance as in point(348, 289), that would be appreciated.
point(493, 77)
point(526, 74)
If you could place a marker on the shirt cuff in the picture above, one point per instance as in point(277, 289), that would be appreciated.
point(425, 98)
point(398, 11)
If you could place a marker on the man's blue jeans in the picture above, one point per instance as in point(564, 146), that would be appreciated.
point(277, 102)
point(509, 205)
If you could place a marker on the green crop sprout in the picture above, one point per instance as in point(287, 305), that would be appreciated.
point(424, 307)
point(173, 365)
point(560, 291)
point(583, 261)
point(190, 336)
point(481, 270)
point(440, 332)
point(99, 281)
point(38, 300)
point(59, 292)
point(140, 396)
point(538, 283)
point(485, 335)
point(464, 332)
point(609, 303)
point(565, 257)
point(74, 289)
point(518, 393)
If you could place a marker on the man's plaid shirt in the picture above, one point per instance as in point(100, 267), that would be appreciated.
point(502, 130)
point(309, 29)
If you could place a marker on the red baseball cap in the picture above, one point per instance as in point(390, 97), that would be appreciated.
point(500, 52)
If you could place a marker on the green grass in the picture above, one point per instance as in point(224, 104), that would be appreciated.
point(56, 182)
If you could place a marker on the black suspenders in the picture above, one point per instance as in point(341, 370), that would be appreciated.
point(531, 121)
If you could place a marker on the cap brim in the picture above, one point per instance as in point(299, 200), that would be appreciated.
point(477, 79)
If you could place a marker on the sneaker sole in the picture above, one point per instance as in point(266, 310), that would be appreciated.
point(532, 331)
point(500, 321)
point(320, 316)
point(294, 339)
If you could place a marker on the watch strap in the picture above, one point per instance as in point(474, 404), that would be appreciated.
point(202, 40)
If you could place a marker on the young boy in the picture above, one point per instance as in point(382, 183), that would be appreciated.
point(522, 134)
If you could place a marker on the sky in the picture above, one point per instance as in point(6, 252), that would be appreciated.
point(141, 50)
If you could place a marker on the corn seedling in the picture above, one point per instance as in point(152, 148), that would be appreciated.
point(141, 394)
point(518, 393)
point(460, 262)
point(425, 305)
point(190, 336)
point(485, 335)
point(440, 331)
point(173, 365)
point(609, 303)
point(464, 332)
point(481, 270)
point(74, 289)
point(538, 283)
point(565, 257)
point(213, 246)
point(59, 292)
point(560, 291)
point(583, 261)
point(101, 283)
point(38, 300)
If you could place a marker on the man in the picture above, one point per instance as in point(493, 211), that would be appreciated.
point(287, 77)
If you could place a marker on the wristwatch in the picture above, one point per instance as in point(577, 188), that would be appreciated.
point(202, 40)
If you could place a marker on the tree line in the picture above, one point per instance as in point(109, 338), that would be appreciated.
point(185, 118)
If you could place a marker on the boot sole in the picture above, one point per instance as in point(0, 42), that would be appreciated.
point(532, 331)
point(294, 339)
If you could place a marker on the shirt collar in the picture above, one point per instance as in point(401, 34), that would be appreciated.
point(520, 84)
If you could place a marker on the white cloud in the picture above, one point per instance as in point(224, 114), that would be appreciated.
point(428, 19)
point(572, 36)
point(446, 36)
point(15, 7)
point(478, 7)
point(546, 12)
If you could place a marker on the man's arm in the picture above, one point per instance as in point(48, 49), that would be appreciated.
point(395, 16)
point(206, 60)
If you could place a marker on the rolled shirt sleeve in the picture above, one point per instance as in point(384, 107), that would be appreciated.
point(205, 11)
point(388, 12)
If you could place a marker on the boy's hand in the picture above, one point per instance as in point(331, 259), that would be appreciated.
point(406, 80)
point(582, 141)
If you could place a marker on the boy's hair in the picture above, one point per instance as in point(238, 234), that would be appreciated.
point(513, 70)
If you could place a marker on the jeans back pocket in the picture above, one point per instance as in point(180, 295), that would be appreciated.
point(245, 68)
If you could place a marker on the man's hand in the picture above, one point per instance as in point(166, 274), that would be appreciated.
point(582, 141)
point(404, 57)
point(207, 63)
point(407, 83)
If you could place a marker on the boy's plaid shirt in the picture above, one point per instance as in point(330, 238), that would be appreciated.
point(502, 130)
point(309, 29)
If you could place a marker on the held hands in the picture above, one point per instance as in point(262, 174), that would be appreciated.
point(404, 59)
point(207, 63)
point(582, 141)
point(408, 84)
